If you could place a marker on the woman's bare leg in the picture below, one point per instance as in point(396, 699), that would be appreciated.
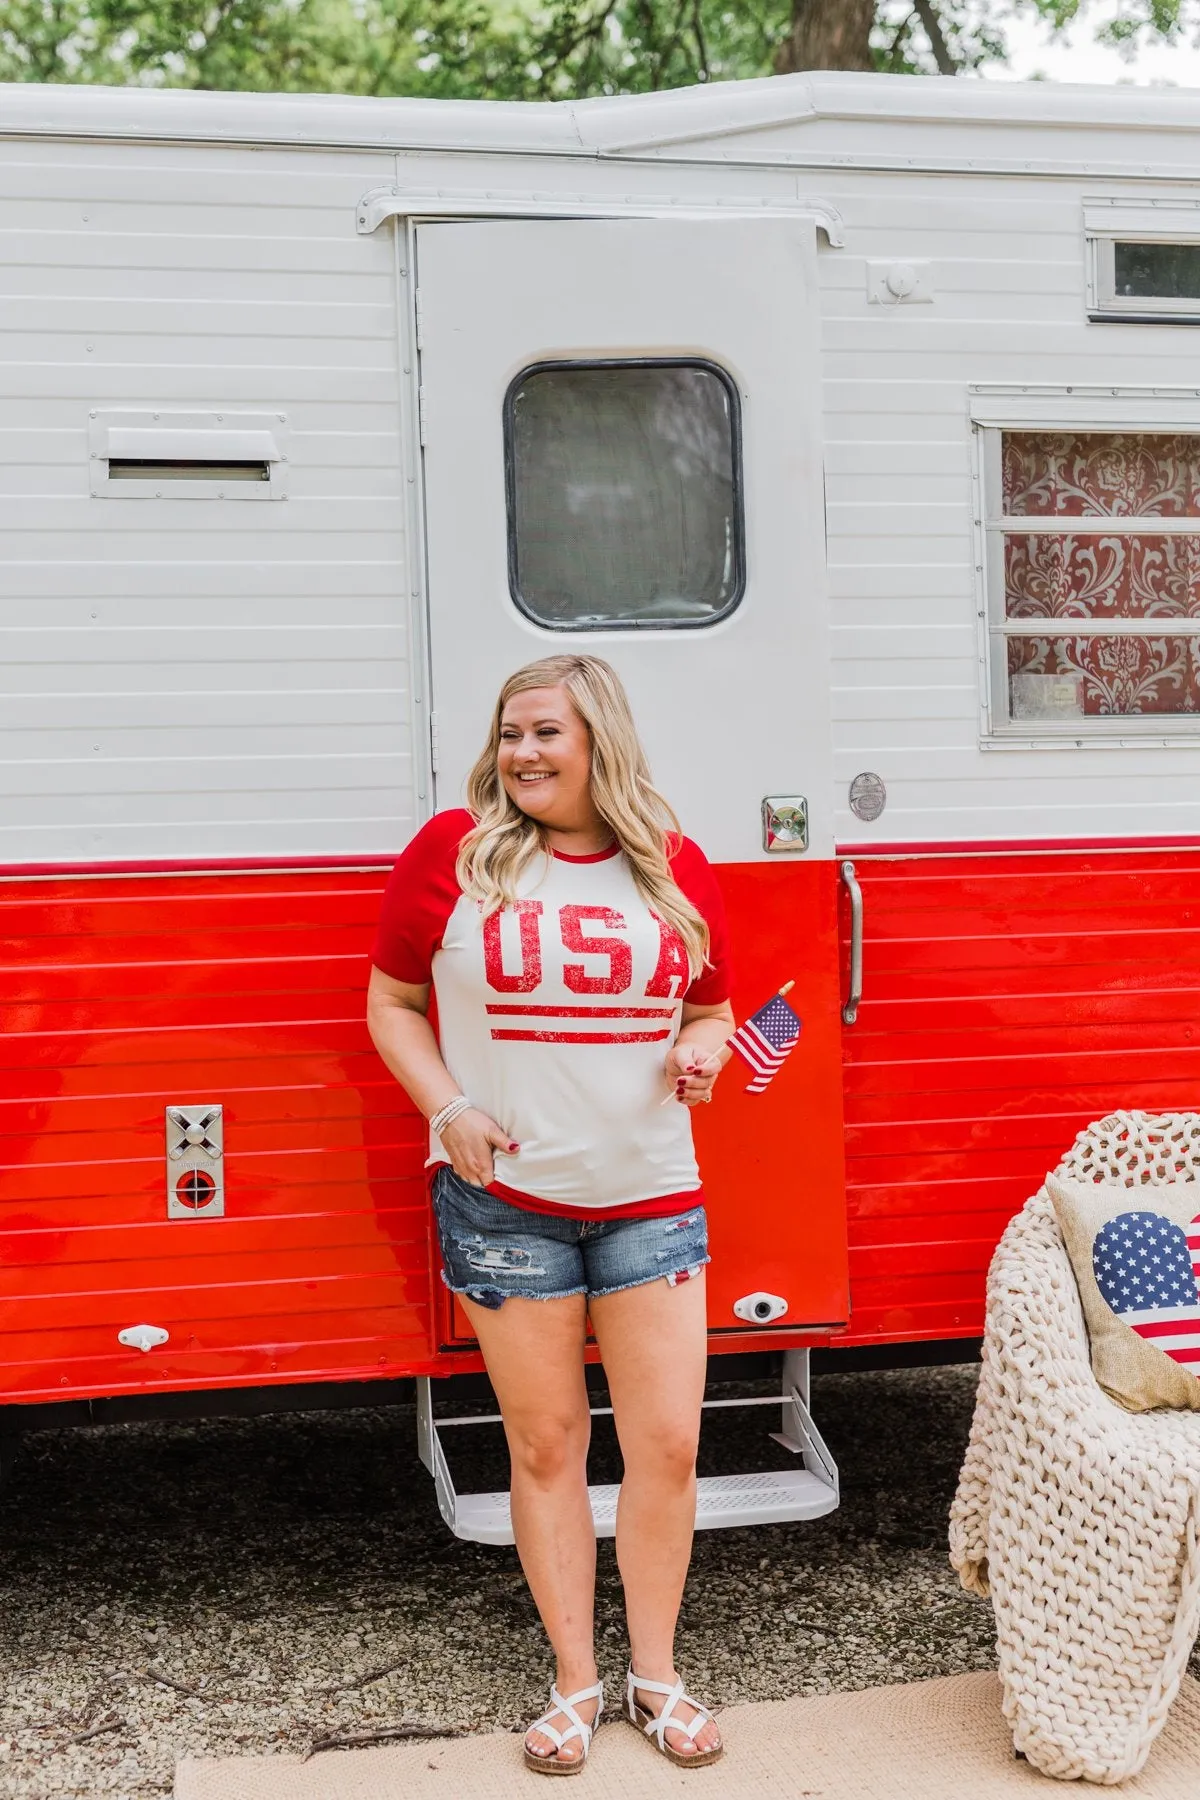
point(534, 1355)
point(653, 1340)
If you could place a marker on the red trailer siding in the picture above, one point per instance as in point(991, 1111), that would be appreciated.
point(123, 994)
point(1008, 1000)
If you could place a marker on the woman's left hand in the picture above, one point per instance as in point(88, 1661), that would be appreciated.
point(691, 1073)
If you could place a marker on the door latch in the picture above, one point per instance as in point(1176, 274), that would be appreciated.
point(785, 822)
point(850, 879)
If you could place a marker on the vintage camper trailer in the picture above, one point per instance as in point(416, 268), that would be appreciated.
point(857, 420)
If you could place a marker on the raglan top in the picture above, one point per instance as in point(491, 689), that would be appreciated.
point(555, 1016)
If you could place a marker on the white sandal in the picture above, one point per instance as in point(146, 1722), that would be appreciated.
point(578, 1728)
point(657, 1725)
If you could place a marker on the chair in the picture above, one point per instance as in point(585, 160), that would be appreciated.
point(1079, 1518)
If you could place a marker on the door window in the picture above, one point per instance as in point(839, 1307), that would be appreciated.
point(624, 494)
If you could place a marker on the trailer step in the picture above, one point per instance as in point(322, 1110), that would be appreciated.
point(722, 1501)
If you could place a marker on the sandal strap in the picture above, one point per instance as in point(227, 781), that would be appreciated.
point(565, 1708)
point(666, 1720)
point(644, 1686)
point(693, 1725)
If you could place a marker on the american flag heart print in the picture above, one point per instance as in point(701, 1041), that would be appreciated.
point(765, 1040)
point(1146, 1268)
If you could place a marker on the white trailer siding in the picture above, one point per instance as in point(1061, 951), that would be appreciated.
point(196, 678)
point(247, 685)
point(1005, 258)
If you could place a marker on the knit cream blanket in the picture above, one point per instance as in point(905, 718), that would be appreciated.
point(1078, 1518)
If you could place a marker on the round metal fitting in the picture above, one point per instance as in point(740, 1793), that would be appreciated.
point(868, 796)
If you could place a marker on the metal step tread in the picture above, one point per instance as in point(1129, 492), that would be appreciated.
point(750, 1497)
point(722, 1501)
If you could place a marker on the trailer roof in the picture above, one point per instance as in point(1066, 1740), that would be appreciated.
point(637, 125)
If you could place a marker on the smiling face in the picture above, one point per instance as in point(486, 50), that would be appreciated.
point(545, 760)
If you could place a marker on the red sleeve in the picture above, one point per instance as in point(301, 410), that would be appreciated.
point(693, 875)
point(421, 893)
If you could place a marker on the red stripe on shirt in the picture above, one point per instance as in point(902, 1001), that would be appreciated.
point(582, 1037)
point(664, 1207)
point(587, 1012)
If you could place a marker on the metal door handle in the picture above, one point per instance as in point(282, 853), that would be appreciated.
point(850, 1010)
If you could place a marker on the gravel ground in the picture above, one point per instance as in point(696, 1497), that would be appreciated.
point(242, 1585)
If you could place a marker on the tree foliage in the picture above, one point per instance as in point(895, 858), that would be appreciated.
point(430, 47)
point(522, 49)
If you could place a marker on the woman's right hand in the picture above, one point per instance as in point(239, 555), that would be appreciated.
point(471, 1142)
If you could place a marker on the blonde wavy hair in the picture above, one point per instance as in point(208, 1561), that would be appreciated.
point(494, 856)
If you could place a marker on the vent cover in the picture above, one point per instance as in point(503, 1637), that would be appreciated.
point(195, 1161)
point(188, 456)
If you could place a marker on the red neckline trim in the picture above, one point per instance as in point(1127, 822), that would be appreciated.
point(596, 856)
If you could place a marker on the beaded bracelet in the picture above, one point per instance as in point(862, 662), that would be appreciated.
point(448, 1113)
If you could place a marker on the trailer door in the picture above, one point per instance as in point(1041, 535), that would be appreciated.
point(621, 439)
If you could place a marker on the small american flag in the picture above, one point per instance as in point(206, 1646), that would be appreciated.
point(765, 1039)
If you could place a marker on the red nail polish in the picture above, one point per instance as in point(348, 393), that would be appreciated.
point(512, 1148)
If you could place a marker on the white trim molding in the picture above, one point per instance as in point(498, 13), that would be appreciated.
point(392, 203)
point(1037, 406)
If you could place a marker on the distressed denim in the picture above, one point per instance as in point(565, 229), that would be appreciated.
point(493, 1251)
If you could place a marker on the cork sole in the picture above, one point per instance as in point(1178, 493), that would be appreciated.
point(550, 1765)
point(699, 1759)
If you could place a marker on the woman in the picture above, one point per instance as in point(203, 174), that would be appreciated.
point(576, 944)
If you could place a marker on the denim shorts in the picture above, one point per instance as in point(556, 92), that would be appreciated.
point(493, 1251)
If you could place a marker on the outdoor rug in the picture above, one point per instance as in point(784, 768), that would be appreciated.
point(932, 1740)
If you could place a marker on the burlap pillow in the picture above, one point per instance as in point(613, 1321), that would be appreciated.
point(1136, 1253)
